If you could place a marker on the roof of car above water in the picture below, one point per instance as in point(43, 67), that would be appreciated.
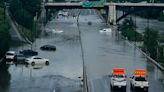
point(13, 52)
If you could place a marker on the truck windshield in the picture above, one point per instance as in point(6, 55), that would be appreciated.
point(9, 54)
point(140, 79)
point(118, 76)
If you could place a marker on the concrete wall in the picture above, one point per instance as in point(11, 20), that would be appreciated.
point(112, 14)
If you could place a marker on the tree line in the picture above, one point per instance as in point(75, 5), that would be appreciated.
point(23, 11)
point(150, 38)
point(4, 33)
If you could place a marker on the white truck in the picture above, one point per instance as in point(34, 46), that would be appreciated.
point(139, 80)
point(118, 79)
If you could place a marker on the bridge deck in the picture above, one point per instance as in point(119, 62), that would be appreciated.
point(109, 4)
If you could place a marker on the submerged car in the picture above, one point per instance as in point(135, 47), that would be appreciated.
point(105, 30)
point(37, 60)
point(48, 47)
point(20, 59)
point(28, 53)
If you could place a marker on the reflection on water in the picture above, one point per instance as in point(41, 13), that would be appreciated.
point(4, 77)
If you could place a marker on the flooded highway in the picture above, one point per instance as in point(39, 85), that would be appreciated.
point(102, 52)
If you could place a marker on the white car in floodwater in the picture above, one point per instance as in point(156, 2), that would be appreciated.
point(10, 55)
point(105, 30)
point(57, 31)
point(37, 60)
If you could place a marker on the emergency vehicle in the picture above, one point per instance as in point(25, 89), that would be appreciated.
point(118, 79)
point(139, 80)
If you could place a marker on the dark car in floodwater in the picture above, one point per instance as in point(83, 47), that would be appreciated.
point(20, 59)
point(48, 47)
point(28, 53)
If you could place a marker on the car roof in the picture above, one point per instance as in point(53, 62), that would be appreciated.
point(35, 57)
point(11, 52)
point(49, 45)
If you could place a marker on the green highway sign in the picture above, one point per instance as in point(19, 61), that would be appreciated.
point(93, 4)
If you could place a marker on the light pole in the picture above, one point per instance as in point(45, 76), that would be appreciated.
point(78, 17)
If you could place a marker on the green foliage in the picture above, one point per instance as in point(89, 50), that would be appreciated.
point(161, 17)
point(151, 39)
point(24, 11)
point(161, 54)
point(128, 30)
point(4, 34)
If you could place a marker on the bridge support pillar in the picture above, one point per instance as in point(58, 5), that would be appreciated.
point(112, 15)
point(46, 17)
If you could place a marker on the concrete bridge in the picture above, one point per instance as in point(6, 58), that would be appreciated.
point(109, 7)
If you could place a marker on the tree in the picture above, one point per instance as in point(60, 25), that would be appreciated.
point(4, 34)
point(151, 38)
point(24, 11)
point(127, 29)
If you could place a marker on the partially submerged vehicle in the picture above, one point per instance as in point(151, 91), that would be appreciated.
point(48, 47)
point(105, 30)
point(118, 79)
point(36, 60)
point(20, 59)
point(138, 80)
point(10, 55)
point(28, 53)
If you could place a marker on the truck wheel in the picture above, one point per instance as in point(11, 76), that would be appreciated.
point(111, 87)
point(146, 89)
point(124, 89)
point(131, 87)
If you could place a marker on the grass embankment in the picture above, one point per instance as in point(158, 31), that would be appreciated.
point(152, 42)
point(4, 33)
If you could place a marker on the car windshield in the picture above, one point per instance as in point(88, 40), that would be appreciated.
point(37, 58)
point(9, 54)
point(140, 79)
point(118, 76)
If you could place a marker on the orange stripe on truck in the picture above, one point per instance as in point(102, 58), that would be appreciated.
point(118, 71)
point(140, 72)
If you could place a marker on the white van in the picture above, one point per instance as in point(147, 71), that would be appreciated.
point(10, 55)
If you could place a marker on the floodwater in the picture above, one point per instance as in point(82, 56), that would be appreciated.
point(102, 52)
